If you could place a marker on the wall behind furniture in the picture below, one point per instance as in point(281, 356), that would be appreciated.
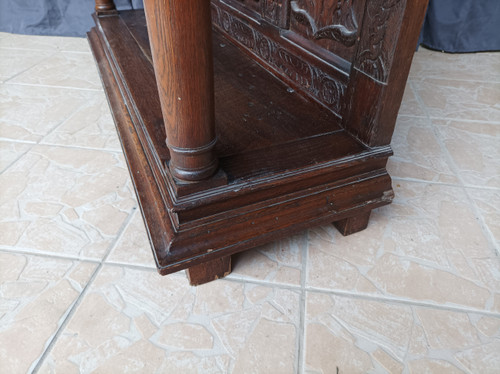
point(450, 25)
point(52, 17)
point(462, 25)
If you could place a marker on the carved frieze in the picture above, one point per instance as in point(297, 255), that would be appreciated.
point(309, 78)
point(328, 19)
point(376, 47)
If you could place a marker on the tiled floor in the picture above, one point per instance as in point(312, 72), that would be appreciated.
point(417, 292)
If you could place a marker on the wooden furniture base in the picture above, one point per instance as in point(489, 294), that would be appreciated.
point(286, 162)
point(209, 271)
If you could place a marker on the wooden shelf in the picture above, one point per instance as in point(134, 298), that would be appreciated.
point(286, 162)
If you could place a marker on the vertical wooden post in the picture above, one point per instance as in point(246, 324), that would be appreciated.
point(104, 6)
point(181, 45)
point(389, 35)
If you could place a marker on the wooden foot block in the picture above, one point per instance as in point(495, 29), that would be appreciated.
point(354, 224)
point(209, 271)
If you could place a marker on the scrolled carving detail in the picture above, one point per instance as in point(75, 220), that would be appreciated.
point(308, 77)
point(374, 57)
point(345, 30)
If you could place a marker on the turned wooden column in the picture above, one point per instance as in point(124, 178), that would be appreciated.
point(181, 45)
point(104, 6)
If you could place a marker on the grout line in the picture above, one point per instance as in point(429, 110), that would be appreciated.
point(378, 298)
point(78, 146)
point(455, 169)
point(35, 50)
point(417, 78)
point(62, 122)
point(423, 181)
point(469, 186)
point(79, 299)
point(132, 266)
point(52, 86)
point(239, 279)
point(303, 297)
point(29, 68)
point(19, 156)
point(16, 250)
point(400, 301)
point(482, 121)
point(32, 142)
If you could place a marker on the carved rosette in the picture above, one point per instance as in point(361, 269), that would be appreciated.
point(309, 78)
point(376, 50)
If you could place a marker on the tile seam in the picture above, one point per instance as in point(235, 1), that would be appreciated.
point(454, 168)
point(74, 306)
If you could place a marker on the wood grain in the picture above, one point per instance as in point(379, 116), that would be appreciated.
point(181, 45)
point(303, 127)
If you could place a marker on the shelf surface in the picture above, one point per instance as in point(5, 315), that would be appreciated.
point(288, 163)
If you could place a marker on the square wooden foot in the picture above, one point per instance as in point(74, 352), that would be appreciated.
point(354, 224)
point(209, 271)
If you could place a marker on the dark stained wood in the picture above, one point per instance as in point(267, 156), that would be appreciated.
point(181, 44)
point(381, 67)
point(351, 225)
point(209, 271)
point(105, 7)
point(302, 108)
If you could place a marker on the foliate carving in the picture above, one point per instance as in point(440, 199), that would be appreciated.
point(295, 68)
point(376, 49)
point(243, 34)
point(309, 78)
point(344, 27)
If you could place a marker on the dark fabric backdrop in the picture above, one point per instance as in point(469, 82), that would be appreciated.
point(462, 25)
point(450, 25)
point(52, 17)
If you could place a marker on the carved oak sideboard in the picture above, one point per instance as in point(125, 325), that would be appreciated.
point(243, 121)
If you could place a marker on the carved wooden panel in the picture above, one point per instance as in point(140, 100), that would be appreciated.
point(276, 12)
point(330, 24)
point(376, 48)
point(304, 75)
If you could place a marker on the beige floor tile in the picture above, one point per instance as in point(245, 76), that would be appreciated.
point(15, 61)
point(35, 296)
point(137, 320)
point(483, 66)
point(72, 202)
point(10, 152)
point(417, 152)
point(29, 113)
point(475, 150)
point(410, 106)
point(426, 246)
point(453, 99)
point(277, 262)
point(63, 69)
point(349, 335)
point(44, 43)
point(90, 126)
point(133, 247)
point(488, 203)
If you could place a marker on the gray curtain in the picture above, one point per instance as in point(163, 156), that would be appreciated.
point(462, 25)
point(52, 17)
point(450, 25)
